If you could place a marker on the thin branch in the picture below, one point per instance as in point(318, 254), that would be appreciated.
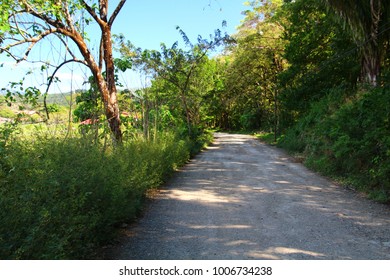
point(20, 31)
point(101, 54)
point(93, 14)
point(9, 53)
point(9, 39)
point(40, 62)
point(68, 17)
point(103, 6)
point(32, 40)
point(116, 12)
point(52, 79)
point(66, 46)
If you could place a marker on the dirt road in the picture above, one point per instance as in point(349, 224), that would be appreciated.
point(241, 199)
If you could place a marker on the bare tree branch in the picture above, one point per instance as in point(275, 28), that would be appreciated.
point(101, 55)
point(116, 12)
point(32, 40)
point(9, 53)
point(20, 31)
point(28, 9)
point(66, 46)
point(103, 5)
point(68, 17)
point(52, 79)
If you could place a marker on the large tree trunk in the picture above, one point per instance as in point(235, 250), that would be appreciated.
point(112, 108)
point(110, 102)
point(371, 60)
point(106, 86)
point(371, 63)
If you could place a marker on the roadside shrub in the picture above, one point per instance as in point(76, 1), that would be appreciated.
point(199, 139)
point(313, 128)
point(60, 199)
point(360, 141)
point(6, 112)
point(348, 136)
point(249, 120)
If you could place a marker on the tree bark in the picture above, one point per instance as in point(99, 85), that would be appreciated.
point(106, 87)
point(371, 64)
point(371, 51)
point(112, 108)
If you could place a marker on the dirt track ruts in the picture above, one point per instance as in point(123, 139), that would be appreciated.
point(242, 199)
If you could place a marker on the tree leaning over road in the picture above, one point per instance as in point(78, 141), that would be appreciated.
point(24, 23)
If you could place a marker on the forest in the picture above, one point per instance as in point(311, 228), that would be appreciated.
point(310, 76)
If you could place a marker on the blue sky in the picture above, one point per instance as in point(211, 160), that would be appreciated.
point(146, 24)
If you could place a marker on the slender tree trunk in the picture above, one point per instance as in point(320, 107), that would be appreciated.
point(145, 115)
point(106, 86)
point(371, 58)
point(156, 120)
point(371, 64)
point(188, 116)
point(112, 107)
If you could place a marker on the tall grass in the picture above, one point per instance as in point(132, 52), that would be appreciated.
point(61, 198)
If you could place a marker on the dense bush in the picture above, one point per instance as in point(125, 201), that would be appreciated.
point(348, 136)
point(6, 112)
point(59, 199)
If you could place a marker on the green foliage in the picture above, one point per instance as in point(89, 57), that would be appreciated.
point(369, 21)
point(250, 119)
point(198, 140)
point(53, 108)
point(182, 77)
point(266, 137)
point(7, 112)
point(320, 52)
point(341, 131)
point(4, 17)
point(88, 104)
point(245, 93)
point(59, 201)
point(347, 136)
point(18, 92)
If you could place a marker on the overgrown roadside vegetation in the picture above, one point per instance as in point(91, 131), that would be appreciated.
point(347, 137)
point(331, 109)
point(58, 199)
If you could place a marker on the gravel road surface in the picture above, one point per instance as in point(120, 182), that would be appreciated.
point(242, 199)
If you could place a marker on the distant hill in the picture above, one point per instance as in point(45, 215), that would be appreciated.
point(58, 98)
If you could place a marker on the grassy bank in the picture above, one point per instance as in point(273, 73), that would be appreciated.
point(346, 136)
point(61, 198)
